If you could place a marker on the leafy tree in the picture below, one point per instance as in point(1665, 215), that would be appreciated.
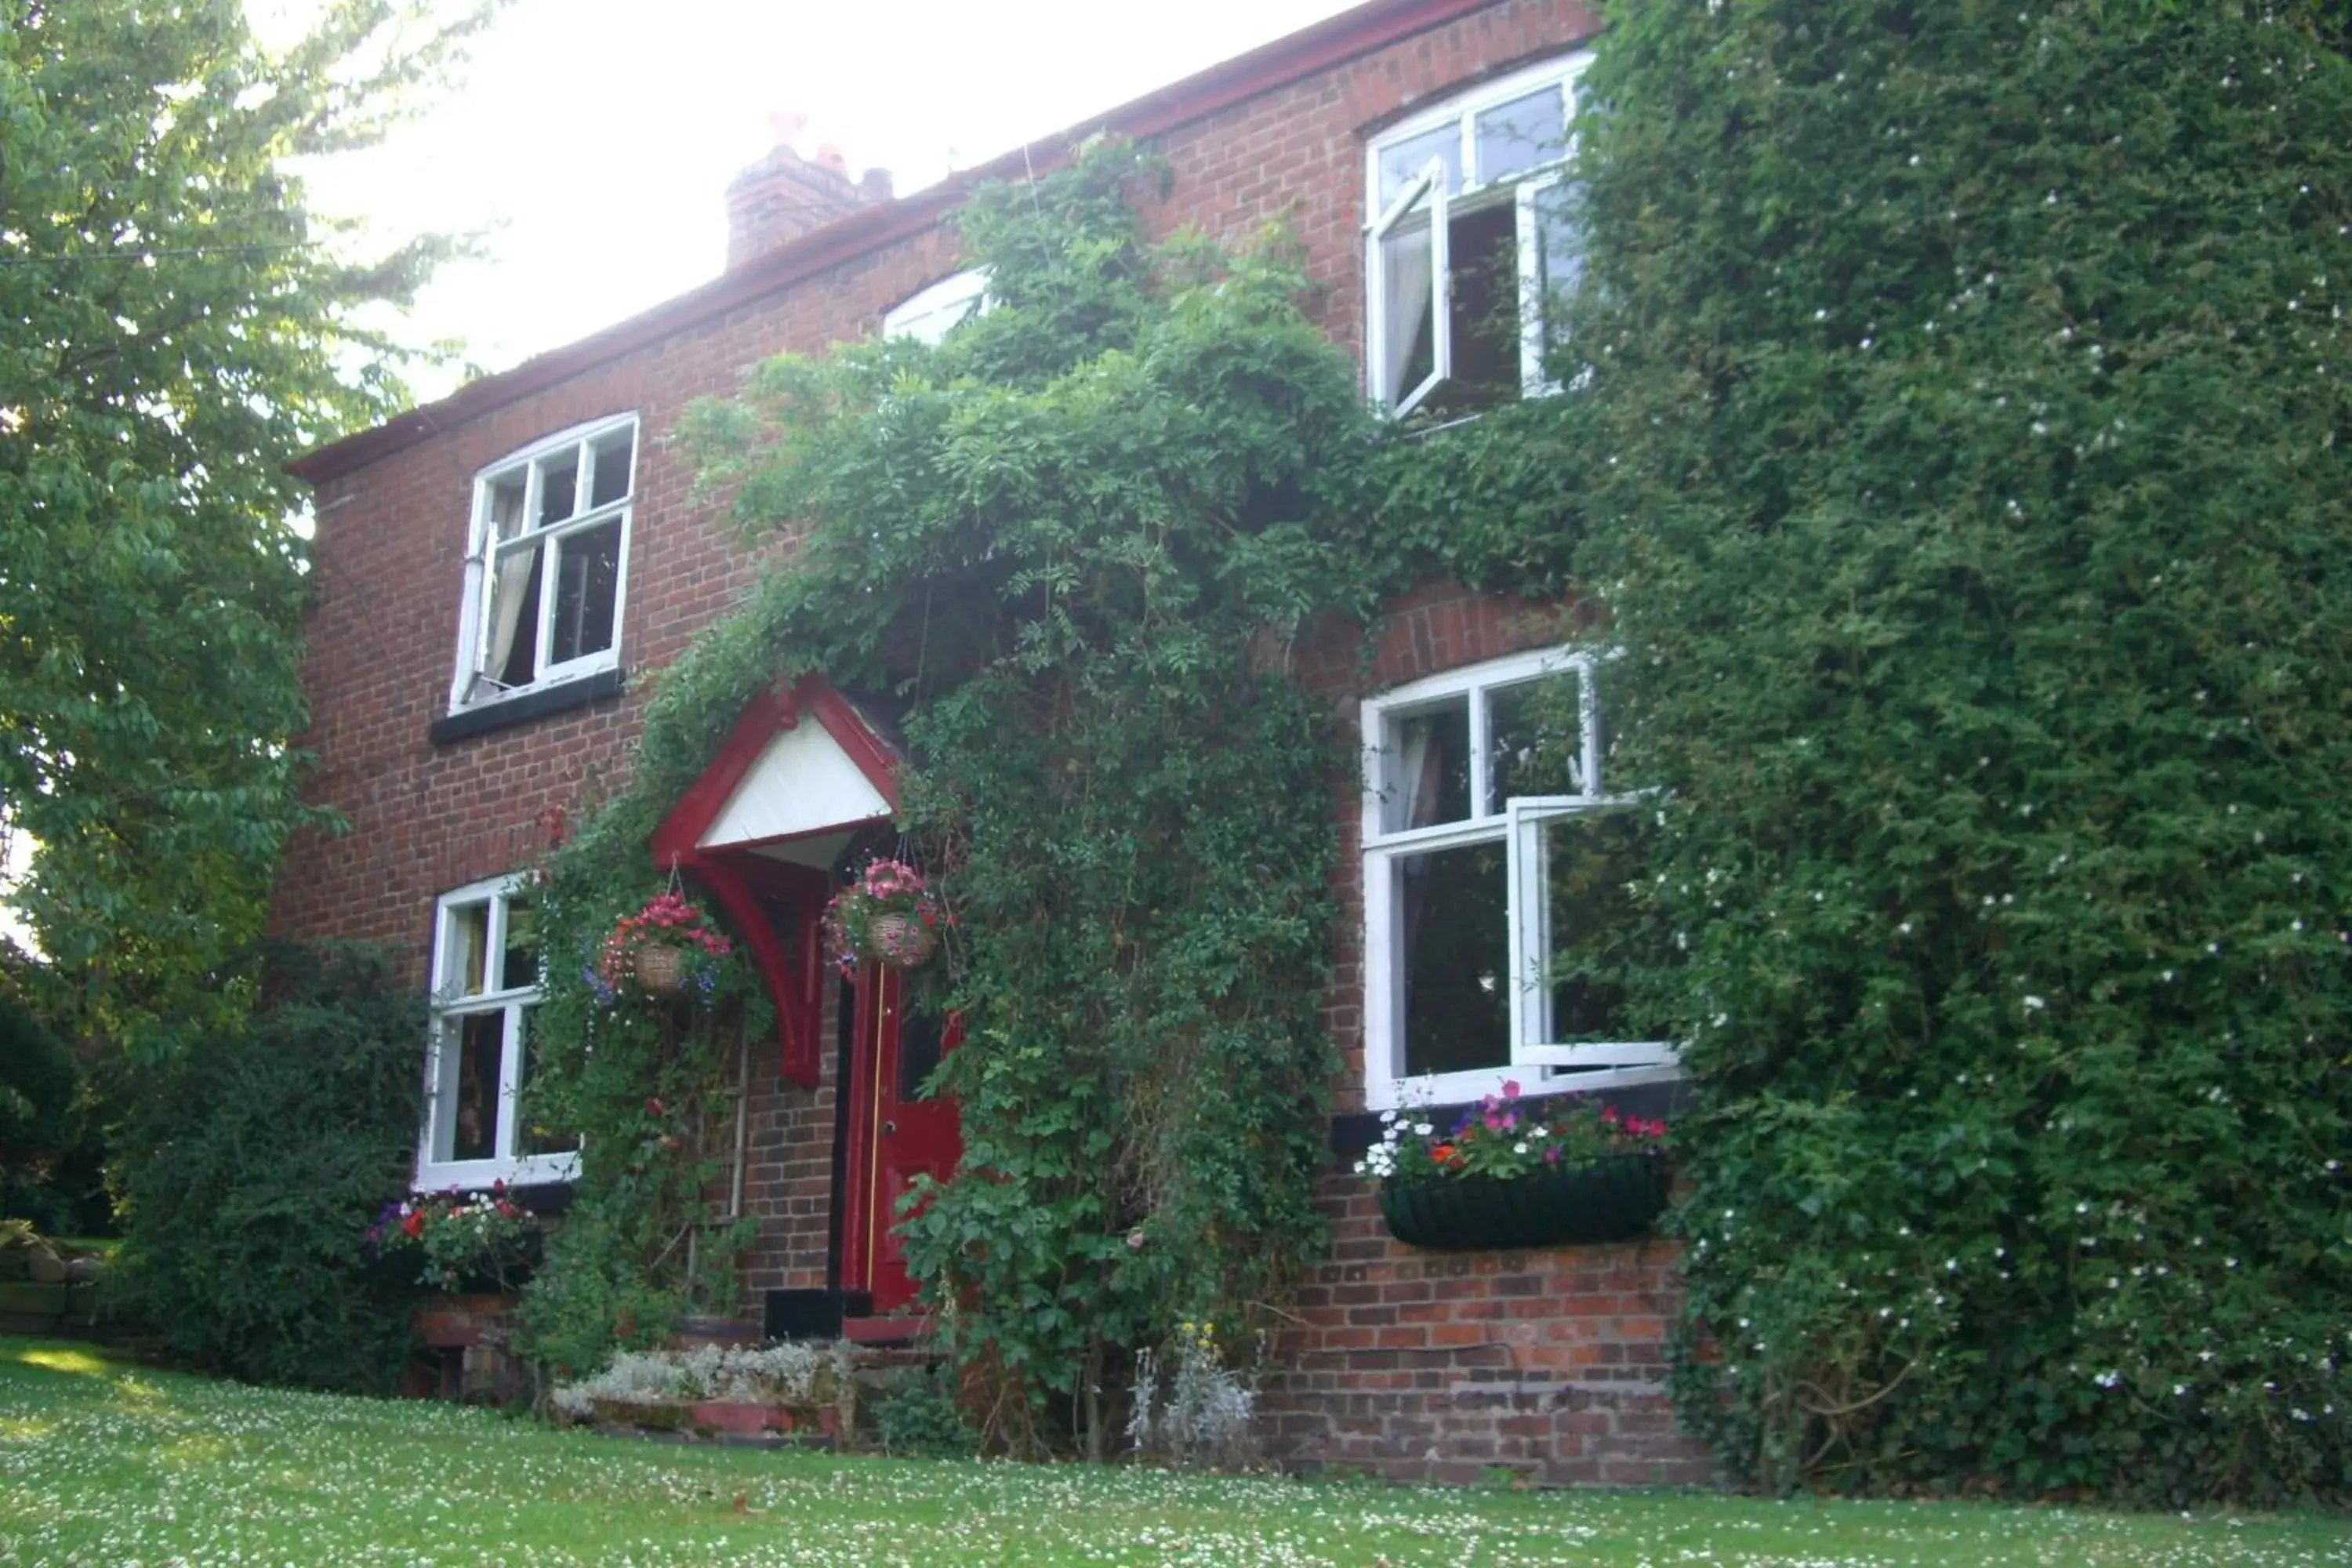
point(1966, 413)
point(179, 327)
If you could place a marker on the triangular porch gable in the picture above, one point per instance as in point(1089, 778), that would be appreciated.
point(800, 763)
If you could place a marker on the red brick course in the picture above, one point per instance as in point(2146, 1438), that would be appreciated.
point(1414, 1365)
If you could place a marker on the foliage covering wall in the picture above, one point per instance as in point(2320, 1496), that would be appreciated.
point(1968, 425)
point(1070, 548)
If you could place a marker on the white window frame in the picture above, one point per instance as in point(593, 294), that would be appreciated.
point(473, 686)
point(1540, 1065)
point(437, 1167)
point(1524, 187)
point(931, 313)
point(1425, 193)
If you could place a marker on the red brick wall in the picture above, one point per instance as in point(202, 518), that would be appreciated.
point(1411, 1362)
point(1434, 1365)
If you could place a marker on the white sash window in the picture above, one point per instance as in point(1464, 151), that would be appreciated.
point(480, 1124)
point(1470, 242)
point(547, 564)
point(1486, 904)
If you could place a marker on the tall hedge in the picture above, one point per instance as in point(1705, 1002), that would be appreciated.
point(250, 1163)
point(1966, 387)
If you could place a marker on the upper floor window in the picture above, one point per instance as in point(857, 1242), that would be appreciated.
point(931, 313)
point(546, 563)
point(1470, 242)
point(478, 1126)
point(1496, 869)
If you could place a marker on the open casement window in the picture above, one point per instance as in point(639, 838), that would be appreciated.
point(1411, 292)
point(1472, 243)
point(547, 566)
point(478, 1123)
point(1496, 865)
point(931, 313)
point(1571, 861)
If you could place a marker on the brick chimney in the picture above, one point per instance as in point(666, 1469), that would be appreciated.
point(784, 195)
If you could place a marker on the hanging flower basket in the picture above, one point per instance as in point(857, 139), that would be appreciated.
point(889, 915)
point(901, 941)
point(661, 969)
point(1547, 1172)
point(667, 949)
point(1611, 1199)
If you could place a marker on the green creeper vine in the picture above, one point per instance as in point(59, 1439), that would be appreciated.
point(1076, 542)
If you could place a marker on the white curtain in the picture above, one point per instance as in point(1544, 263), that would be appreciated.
point(1421, 763)
point(507, 594)
point(1406, 281)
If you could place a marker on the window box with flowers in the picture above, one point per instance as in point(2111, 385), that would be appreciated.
point(1561, 1172)
point(452, 1242)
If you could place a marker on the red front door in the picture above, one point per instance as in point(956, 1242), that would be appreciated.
point(895, 1133)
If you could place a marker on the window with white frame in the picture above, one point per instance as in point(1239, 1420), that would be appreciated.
point(546, 563)
point(479, 1125)
point(1497, 865)
point(1470, 244)
point(931, 313)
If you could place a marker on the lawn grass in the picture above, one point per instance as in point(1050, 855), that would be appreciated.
point(102, 1463)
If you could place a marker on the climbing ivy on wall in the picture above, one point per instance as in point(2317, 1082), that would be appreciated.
point(1966, 423)
point(1073, 546)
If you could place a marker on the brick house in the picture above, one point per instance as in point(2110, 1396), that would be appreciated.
point(494, 569)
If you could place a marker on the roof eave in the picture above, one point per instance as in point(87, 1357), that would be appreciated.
point(1328, 43)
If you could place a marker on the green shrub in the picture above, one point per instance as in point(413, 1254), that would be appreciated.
point(250, 1166)
point(1969, 387)
point(40, 1131)
point(915, 1416)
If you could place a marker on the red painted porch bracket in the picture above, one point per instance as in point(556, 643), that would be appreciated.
point(791, 976)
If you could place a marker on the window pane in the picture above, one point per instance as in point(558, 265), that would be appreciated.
point(557, 481)
point(587, 574)
point(1559, 257)
point(513, 622)
point(1401, 163)
point(1454, 952)
point(613, 454)
point(519, 965)
point(1515, 137)
point(474, 1117)
point(469, 951)
point(1408, 293)
point(533, 1133)
point(1427, 768)
point(506, 505)
point(1483, 251)
point(1591, 858)
point(1535, 739)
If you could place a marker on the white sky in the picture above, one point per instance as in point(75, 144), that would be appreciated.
point(594, 138)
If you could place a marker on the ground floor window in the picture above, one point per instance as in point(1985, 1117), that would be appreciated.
point(1497, 869)
point(479, 1125)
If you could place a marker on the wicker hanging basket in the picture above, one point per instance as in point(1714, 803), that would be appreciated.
point(900, 942)
point(661, 969)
